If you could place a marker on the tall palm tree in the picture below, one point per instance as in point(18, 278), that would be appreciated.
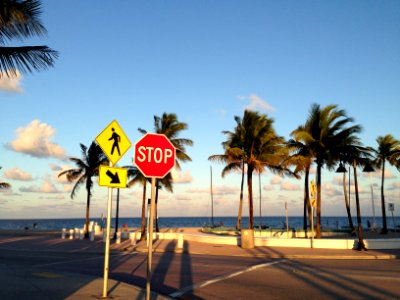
point(4, 185)
point(346, 148)
point(169, 125)
point(262, 149)
point(137, 177)
point(322, 126)
point(86, 168)
point(388, 150)
point(301, 158)
point(234, 157)
point(20, 19)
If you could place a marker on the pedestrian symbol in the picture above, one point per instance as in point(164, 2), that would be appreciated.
point(113, 141)
point(117, 139)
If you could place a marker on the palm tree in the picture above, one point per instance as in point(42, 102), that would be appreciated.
point(301, 158)
point(234, 159)
point(137, 177)
point(322, 126)
point(169, 125)
point(4, 185)
point(87, 167)
point(347, 148)
point(20, 19)
point(388, 150)
point(262, 149)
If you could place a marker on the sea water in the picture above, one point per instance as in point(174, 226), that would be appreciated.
point(176, 222)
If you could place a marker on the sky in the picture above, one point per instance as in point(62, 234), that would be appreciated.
point(205, 61)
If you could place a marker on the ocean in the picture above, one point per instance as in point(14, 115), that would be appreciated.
point(176, 222)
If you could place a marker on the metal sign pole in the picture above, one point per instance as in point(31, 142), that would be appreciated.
point(287, 220)
point(107, 248)
point(150, 239)
point(312, 227)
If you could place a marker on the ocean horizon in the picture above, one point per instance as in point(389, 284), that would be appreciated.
point(296, 222)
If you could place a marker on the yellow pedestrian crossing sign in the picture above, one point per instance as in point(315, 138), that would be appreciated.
point(113, 177)
point(113, 141)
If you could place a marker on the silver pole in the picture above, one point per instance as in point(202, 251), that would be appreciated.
point(150, 247)
point(107, 248)
point(312, 227)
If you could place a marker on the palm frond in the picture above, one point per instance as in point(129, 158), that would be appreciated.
point(26, 59)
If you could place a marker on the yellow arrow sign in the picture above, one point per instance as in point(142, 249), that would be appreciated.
point(113, 177)
point(113, 141)
point(313, 192)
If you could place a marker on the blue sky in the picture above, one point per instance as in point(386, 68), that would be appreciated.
point(206, 61)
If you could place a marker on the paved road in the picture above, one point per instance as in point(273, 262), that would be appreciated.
point(222, 277)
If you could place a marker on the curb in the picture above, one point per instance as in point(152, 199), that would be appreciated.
point(275, 256)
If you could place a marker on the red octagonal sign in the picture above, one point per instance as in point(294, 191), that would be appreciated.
point(154, 155)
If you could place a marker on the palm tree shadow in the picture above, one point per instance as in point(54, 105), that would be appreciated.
point(327, 282)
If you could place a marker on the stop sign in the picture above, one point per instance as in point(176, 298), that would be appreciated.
point(154, 155)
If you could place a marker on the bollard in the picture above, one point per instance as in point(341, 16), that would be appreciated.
point(81, 234)
point(118, 240)
point(132, 237)
point(92, 234)
point(104, 236)
point(63, 233)
point(180, 241)
point(76, 233)
point(71, 234)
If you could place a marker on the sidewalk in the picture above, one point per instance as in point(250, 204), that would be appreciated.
point(197, 248)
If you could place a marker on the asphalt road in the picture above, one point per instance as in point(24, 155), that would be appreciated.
point(218, 277)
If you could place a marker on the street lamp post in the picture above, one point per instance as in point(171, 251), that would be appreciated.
point(369, 169)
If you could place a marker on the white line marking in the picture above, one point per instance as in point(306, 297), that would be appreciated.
point(220, 278)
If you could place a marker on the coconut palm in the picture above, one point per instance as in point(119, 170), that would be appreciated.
point(323, 125)
point(301, 158)
point(262, 149)
point(86, 168)
point(169, 125)
point(234, 159)
point(20, 19)
point(137, 177)
point(346, 148)
point(388, 150)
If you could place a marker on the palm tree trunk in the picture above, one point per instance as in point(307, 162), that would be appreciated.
point(87, 214)
point(319, 201)
point(116, 216)
point(361, 245)
point(384, 228)
point(156, 207)
point(346, 201)
point(250, 196)
point(307, 206)
point(143, 229)
point(239, 218)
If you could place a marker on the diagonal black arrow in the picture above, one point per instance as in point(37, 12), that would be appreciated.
point(114, 177)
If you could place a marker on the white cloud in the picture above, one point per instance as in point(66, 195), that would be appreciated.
point(276, 180)
point(268, 188)
point(331, 191)
point(287, 186)
point(47, 187)
point(11, 84)
point(257, 103)
point(36, 140)
point(17, 174)
point(217, 190)
point(181, 177)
